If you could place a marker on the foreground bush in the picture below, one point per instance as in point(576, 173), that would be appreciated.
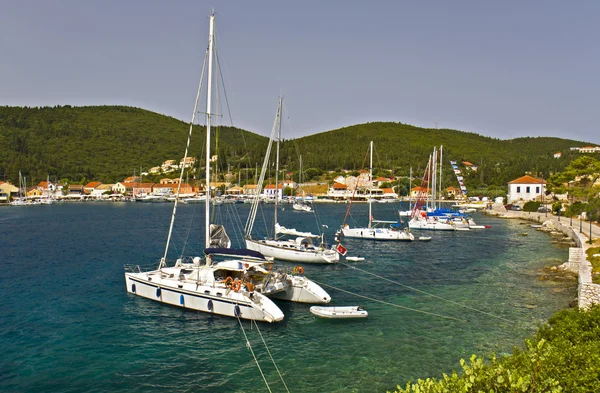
point(563, 356)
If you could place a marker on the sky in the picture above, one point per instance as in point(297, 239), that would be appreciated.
point(503, 69)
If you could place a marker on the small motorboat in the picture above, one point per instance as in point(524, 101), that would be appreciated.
point(424, 238)
point(339, 312)
point(355, 259)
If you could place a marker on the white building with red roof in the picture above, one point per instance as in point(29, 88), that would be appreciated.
point(526, 188)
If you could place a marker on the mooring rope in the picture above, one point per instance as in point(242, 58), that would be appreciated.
point(249, 346)
point(429, 294)
point(269, 352)
point(390, 304)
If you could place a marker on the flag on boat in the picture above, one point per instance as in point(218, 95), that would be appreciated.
point(341, 249)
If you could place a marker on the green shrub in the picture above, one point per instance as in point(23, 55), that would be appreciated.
point(531, 206)
point(563, 356)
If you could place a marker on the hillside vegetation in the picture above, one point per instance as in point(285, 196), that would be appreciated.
point(108, 143)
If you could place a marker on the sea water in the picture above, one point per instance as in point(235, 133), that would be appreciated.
point(68, 325)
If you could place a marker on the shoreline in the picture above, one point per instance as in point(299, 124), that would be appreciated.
point(587, 292)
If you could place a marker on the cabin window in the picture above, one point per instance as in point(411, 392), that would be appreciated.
point(537, 190)
point(528, 189)
point(518, 189)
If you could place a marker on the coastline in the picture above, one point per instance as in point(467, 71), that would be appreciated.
point(578, 263)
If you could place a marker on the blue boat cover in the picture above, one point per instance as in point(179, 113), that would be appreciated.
point(238, 252)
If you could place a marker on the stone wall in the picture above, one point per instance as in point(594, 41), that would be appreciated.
point(587, 292)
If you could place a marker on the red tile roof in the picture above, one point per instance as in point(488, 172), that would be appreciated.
point(339, 185)
point(93, 184)
point(527, 180)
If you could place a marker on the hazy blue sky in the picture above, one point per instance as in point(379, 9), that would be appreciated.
point(504, 69)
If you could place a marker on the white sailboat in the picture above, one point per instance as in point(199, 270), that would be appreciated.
point(420, 220)
point(226, 288)
point(377, 229)
point(287, 244)
point(20, 201)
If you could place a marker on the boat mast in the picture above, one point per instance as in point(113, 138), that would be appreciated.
point(208, 120)
point(277, 168)
point(370, 184)
point(163, 260)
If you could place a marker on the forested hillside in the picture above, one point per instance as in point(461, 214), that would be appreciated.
point(107, 143)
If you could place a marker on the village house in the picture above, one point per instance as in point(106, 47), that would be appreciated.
point(589, 149)
point(290, 184)
point(133, 179)
point(91, 186)
point(75, 189)
point(7, 191)
point(380, 180)
point(155, 170)
point(338, 191)
point(557, 154)
point(525, 188)
point(271, 192)
point(101, 190)
point(169, 166)
point(188, 162)
point(120, 188)
point(169, 181)
point(469, 166)
point(364, 179)
point(419, 191)
point(452, 192)
point(142, 189)
point(389, 193)
point(235, 190)
point(164, 189)
point(250, 189)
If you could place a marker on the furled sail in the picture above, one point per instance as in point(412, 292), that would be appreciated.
point(218, 237)
point(292, 232)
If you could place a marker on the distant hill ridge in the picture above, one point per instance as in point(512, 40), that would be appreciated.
point(108, 143)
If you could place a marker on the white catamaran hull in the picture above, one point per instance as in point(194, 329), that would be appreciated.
point(303, 290)
point(205, 298)
point(377, 234)
point(272, 248)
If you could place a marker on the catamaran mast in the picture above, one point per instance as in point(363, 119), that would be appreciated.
point(277, 168)
point(208, 120)
point(163, 260)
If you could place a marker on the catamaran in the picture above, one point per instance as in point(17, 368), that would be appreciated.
point(223, 288)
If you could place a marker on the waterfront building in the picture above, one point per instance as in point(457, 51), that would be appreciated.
point(525, 188)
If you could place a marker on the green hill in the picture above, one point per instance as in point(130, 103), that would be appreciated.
point(108, 143)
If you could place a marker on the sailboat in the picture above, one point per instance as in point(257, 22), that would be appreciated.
point(377, 229)
point(425, 205)
point(20, 201)
point(229, 287)
point(288, 244)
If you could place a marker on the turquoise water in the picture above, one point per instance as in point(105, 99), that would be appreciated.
point(67, 323)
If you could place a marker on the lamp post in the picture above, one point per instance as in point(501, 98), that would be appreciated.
point(571, 210)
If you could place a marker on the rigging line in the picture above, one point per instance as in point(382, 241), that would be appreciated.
point(269, 352)
point(390, 304)
point(249, 346)
point(355, 188)
point(430, 294)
